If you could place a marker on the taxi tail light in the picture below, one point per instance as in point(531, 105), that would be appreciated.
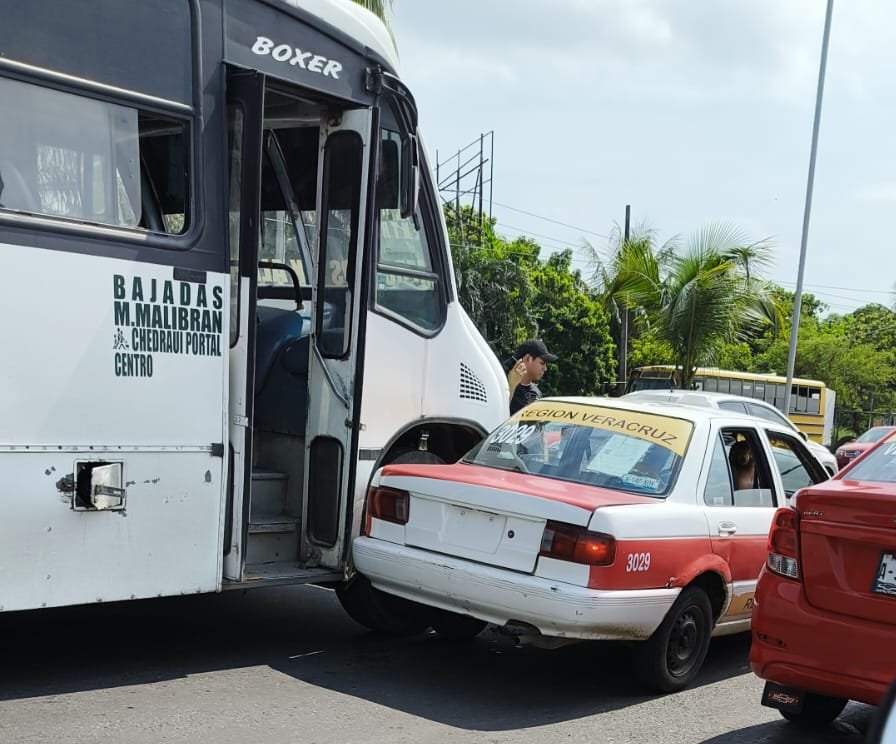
point(567, 542)
point(784, 544)
point(388, 504)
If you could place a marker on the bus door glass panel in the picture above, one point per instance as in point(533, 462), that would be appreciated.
point(339, 235)
point(285, 227)
point(407, 286)
point(739, 502)
point(235, 163)
point(332, 414)
point(68, 156)
point(796, 465)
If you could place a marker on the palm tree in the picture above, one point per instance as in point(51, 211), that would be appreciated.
point(698, 299)
point(377, 7)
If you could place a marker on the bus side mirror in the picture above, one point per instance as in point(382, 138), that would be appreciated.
point(410, 175)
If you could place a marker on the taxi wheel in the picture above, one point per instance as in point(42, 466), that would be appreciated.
point(453, 626)
point(669, 660)
point(818, 711)
point(384, 613)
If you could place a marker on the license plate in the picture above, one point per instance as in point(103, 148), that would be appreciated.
point(885, 579)
point(783, 698)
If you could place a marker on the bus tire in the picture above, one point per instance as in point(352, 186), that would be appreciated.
point(381, 612)
point(671, 658)
point(416, 457)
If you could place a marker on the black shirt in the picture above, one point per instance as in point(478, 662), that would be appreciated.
point(523, 396)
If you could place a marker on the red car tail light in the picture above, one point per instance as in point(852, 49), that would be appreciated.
point(784, 544)
point(567, 542)
point(388, 504)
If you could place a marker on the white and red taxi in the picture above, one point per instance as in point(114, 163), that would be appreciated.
point(585, 518)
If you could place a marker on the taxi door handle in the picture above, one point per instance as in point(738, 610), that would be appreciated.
point(727, 528)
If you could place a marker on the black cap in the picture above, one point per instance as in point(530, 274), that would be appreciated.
point(535, 347)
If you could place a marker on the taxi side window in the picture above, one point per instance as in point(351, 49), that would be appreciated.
point(718, 491)
point(738, 472)
point(796, 466)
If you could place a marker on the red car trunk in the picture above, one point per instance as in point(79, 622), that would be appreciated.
point(848, 549)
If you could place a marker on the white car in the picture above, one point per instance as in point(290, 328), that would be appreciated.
point(741, 404)
point(584, 518)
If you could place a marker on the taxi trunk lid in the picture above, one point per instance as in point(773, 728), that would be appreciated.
point(848, 549)
point(491, 516)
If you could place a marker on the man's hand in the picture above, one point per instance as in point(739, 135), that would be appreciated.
point(516, 375)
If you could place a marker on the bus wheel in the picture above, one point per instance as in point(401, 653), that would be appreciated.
point(453, 626)
point(817, 712)
point(379, 611)
point(417, 457)
point(670, 659)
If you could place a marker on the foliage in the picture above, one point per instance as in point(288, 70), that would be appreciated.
point(494, 279)
point(575, 327)
point(703, 303)
point(511, 294)
point(698, 300)
point(377, 7)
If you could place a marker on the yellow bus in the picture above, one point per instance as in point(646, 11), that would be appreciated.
point(811, 401)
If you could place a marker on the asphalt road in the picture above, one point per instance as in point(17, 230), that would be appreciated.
point(287, 665)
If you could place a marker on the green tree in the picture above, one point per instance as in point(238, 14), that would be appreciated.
point(575, 327)
point(699, 299)
point(511, 294)
point(495, 284)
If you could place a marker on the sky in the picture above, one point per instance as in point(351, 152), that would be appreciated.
point(691, 111)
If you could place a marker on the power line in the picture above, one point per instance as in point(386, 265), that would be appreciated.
point(551, 219)
point(891, 290)
point(525, 233)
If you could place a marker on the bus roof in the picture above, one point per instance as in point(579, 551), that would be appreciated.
point(727, 373)
point(351, 19)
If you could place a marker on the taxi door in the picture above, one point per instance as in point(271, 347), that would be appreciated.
point(739, 517)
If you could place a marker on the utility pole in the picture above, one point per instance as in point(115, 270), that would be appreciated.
point(623, 334)
point(798, 297)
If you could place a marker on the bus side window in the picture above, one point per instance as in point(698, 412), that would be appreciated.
point(407, 279)
point(74, 157)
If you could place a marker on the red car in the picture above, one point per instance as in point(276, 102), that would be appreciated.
point(849, 451)
point(824, 617)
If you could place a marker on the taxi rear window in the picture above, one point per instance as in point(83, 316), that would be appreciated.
point(613, 448)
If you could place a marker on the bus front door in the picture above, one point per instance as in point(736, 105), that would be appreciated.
point(339, 298)
point(299, 185)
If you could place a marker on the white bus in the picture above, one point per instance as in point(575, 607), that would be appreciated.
point(227, 296)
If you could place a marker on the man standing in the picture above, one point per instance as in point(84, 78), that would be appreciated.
point(524, 369)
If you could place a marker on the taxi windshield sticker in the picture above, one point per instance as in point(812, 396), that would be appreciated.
point(671, 433)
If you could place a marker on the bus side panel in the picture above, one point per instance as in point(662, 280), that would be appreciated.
point(165, 541)
point(110, 361)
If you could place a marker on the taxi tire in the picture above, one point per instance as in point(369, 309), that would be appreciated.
point(683, 637)
point(381, 612)
point(453, 626)
point(818, 711)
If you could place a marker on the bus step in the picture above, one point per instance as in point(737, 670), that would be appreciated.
point(268, 492)
point(283, 573)
point(273, 538)
point(260, 523)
